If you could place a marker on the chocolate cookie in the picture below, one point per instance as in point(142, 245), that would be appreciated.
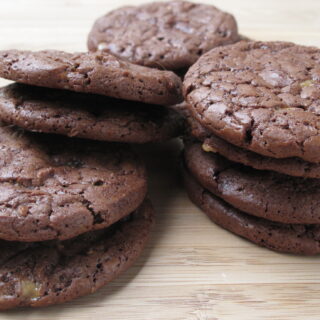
point(86, 116)
point(290, 166)
point(261, 96)
point(57, 188)
point(290, 238)
point(166, 35)
point(99, 73)
point(265, 194)
point(52, 272)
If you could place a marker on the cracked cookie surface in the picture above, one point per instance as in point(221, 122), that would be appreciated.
point(301, 239)
point(265, 194)
point(99, 73)
point(261, 96)
point(166, 35)
point(86, 116)
point(44, 273)
point(57, 188)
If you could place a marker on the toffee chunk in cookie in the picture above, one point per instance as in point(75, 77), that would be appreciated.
point(264, 194)
point(57, 188)
point(44, 273)
point(86, 116)
point(99, 73)
point(166, 35)
point(260, 96)
point(289, 238)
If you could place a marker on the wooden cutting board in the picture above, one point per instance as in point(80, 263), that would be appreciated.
point(191, 268)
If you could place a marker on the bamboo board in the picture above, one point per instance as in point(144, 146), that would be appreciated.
point(191, 269)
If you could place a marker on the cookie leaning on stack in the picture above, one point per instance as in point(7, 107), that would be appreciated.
point(257, 104)
point(168, 35)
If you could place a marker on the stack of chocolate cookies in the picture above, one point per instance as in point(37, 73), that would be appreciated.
point(252, 158)
point(74, 212)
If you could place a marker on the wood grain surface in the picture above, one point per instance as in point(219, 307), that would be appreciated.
point(191, 269)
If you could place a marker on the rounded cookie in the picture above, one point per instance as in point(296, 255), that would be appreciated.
point(289, 166)
point(86, 116)
point(166, 35)
point(265, 194)
point(99, 73)
point(290, 238)
point(52, 272)
point(261, 96)
point(57, 188)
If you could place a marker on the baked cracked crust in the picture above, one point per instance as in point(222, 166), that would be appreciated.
point(44, 273)
point(86, 116)
point(261, 96)
point(167, 35)
point(99, 73)
point(57, 188)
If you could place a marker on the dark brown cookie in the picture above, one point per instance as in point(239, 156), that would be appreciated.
point(290, 166)
point(166, 35)
point(57, 188)
point(265, 194)
point(99, 73)
point(86, 116)
point(261, 96)
point(52, 272)
point(291, 238)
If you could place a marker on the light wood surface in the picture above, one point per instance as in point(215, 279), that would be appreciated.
point(191, 269)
